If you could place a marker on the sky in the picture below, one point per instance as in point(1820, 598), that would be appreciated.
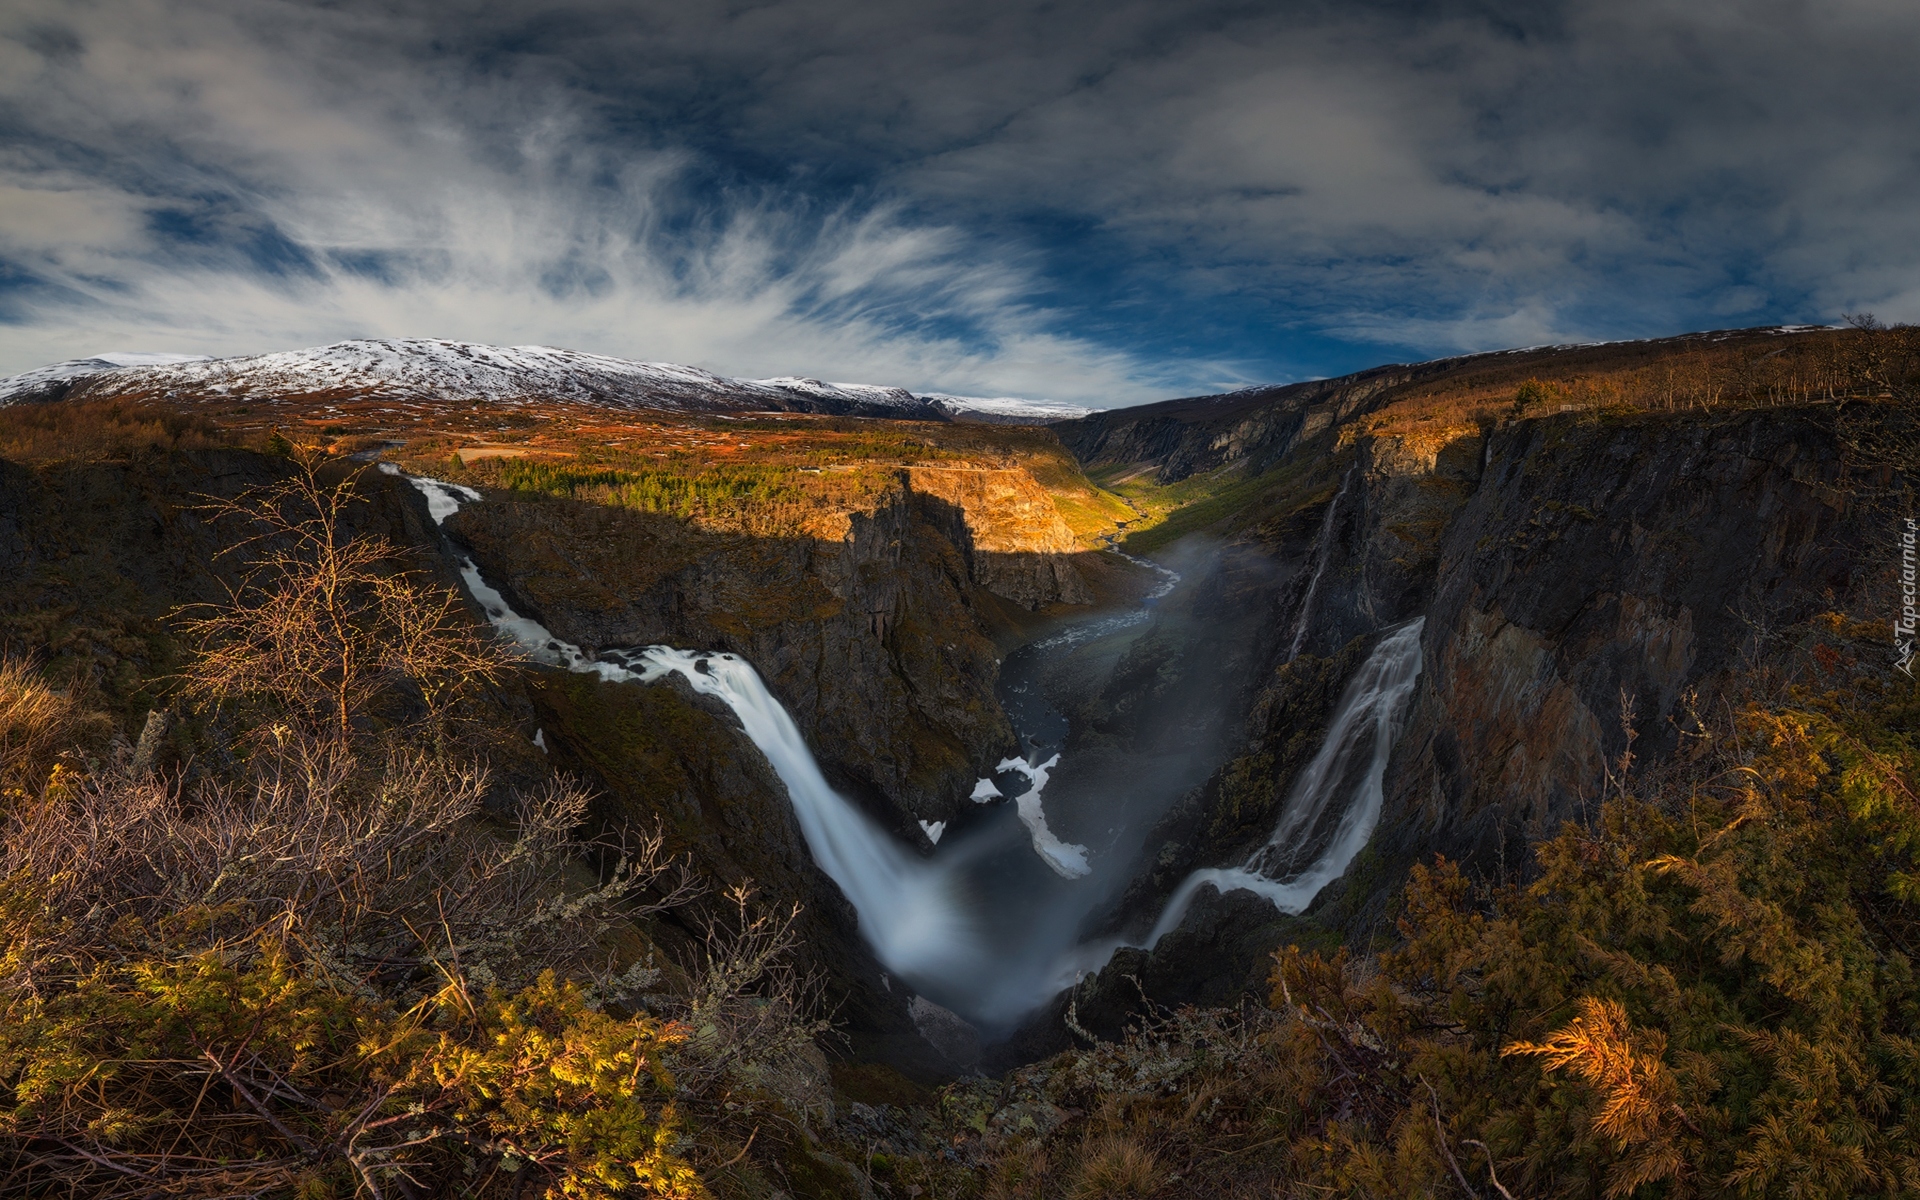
point(1093, 201)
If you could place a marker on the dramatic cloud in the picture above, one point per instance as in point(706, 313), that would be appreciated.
point(1084, 201)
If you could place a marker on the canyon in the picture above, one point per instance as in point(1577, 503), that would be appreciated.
point(1413, 616)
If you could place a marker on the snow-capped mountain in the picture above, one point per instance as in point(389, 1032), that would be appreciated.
point(1006, 410)
point(47, 377)
point(426, 369)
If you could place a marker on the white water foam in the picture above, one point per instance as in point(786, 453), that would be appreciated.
point(908, 908)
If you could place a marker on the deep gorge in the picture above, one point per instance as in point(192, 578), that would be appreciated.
point(1029, 782)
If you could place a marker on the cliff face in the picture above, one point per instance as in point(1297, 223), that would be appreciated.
point(874, 639)
point(1007, 528)
point(1580, 576)
point(1630, 562)
point(1256, 427)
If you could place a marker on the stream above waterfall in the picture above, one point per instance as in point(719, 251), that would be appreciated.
point(995, 921)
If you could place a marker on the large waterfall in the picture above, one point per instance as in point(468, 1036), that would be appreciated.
point(908, 908)
point(924, 917)
point(908, 911)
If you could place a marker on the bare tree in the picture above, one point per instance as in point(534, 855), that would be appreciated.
point(325, 625)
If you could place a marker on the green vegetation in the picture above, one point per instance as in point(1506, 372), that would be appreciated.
point(1709, 991)
point(1533, 395)
point(758, 498)
point(345, 957)
point(712, 491)
point(1220, 502)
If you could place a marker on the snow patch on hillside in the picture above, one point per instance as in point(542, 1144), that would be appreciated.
point(1007, 410)
point(415, 369)
point(75, 368)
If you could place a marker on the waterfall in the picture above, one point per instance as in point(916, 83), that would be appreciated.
point(913, 911)
point(1324, 543)
point(908, 908)
point(1359, 742)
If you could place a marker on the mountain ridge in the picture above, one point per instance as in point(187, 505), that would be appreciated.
point(434, 368)
point(431, 368)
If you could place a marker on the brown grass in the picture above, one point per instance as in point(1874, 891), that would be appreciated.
point(37, 722)
point(101, 429)
point(1118, 1168)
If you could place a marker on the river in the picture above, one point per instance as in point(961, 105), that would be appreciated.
point(996, 921)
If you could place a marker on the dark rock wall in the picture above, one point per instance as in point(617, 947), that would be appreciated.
point(1565, 565)
point(1635, 559)
point(870, 642)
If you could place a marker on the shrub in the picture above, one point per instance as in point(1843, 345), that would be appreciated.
point(231, 1071)
point(1531, 394)
point(1117, 1168)
point(100, 429)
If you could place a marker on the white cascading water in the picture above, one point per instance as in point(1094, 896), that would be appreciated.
point(910, 908)
point(1324, 543)
point(1365, 723)
point(907, 908)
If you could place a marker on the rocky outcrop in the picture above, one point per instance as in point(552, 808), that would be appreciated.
point(1007, 528)
point(868, 641)
point(1607, 568)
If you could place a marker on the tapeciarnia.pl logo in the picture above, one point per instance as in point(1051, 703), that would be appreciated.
point(1904, 623)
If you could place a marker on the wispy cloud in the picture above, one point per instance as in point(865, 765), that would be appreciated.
point(228, 196)
point(1089, 201)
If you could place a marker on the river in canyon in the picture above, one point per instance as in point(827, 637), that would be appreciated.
point(998, 919)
